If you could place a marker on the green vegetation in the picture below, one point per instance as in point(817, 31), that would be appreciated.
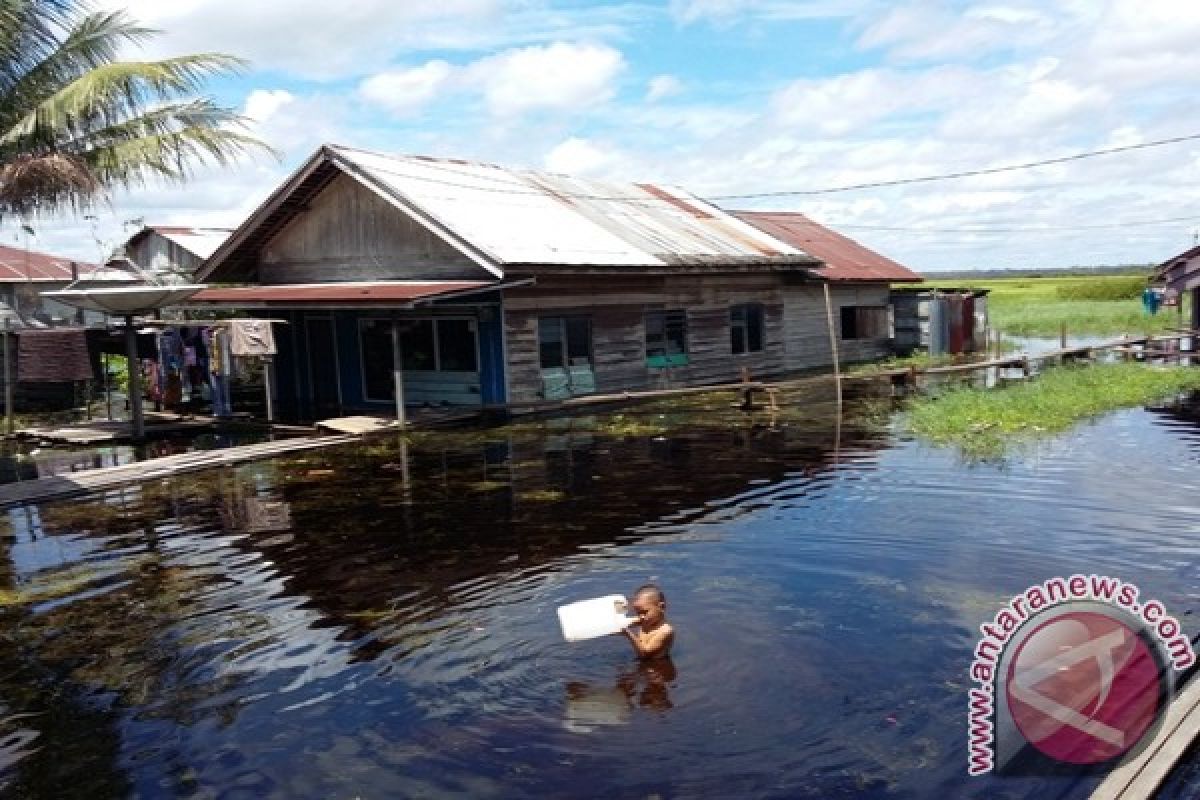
point(918, 360)
point(1093, 305)
point(986, 422)
point(76, 122)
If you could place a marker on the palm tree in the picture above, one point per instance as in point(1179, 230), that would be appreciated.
point(76, 122)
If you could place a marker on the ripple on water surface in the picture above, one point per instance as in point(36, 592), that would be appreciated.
point(350, 624)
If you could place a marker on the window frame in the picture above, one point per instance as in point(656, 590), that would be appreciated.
point(564, 339)
point(751, 312)
point(885, 310)
point(667, 358)
point(437, 349)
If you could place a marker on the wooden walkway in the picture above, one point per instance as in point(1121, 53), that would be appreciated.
point(1140, 778)
point(1140, 346)
point(57, 487)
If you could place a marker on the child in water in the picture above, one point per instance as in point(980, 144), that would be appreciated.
point(651, 636)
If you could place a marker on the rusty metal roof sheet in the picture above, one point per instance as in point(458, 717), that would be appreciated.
point(504, 217)
point(535, 218)
point(338, 293)
point(27, 266)
point(845, 259)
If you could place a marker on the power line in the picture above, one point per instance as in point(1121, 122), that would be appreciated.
point(527, 182)
point(1027, 229)
point(971, 173)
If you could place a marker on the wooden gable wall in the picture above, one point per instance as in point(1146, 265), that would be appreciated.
point(349, 233)
point(158, 253)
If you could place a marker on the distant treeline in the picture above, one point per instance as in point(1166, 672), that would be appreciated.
point(1050, 272)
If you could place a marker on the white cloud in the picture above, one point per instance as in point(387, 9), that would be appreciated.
point(262, 104)
point(579, 157)
point(661, 87)
point(311, 38)
point(561, 76)
point(403, 92)
point(724, 12)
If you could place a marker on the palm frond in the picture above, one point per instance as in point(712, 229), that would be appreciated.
point(75, 122)
point(95, 41)
point(33, 183)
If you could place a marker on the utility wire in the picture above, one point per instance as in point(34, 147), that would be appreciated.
point(1028, 229)
point(525, 185)
point(971, 173)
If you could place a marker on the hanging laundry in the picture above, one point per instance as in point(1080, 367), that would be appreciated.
point(252, 337)
point(219, 369)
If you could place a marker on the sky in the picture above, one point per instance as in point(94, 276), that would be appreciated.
point(724, 97)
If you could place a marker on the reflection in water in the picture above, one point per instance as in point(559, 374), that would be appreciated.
point(379, 620)
point(645, 684)
point(648, 683)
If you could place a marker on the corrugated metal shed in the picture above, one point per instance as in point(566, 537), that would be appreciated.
point(503, 217)
point(29, 266)
point(845, 259)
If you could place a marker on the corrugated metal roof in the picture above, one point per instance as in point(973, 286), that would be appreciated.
point(350, 292)
point(202, 242)
point(533, 218)
point(29, 266)
point(845, 259)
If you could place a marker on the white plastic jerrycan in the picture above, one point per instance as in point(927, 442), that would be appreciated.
point(588, 619)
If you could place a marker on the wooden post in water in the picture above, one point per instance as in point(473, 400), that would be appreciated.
point(107, 387)
point(138, 419)
point(267, 389)
point(837, 372)
point(398, 372)
point(9, 392)
point(1062, 336)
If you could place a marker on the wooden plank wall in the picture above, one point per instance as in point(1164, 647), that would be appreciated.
point(349, 233)
point(808, 330)
point(795, 331)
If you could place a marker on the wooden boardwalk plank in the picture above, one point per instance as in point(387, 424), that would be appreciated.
point(1140, 777)
point(57, 487)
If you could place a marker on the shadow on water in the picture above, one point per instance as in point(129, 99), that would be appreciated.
point(378, 620)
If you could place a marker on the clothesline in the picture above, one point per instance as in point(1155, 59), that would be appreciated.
point(201, 323)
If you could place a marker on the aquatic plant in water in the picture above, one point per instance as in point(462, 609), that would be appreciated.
point(986, 422)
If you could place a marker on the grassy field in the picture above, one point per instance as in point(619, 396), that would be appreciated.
point(1101, 305)
point(986, 422)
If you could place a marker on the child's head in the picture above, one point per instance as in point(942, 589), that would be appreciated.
point(650, 604)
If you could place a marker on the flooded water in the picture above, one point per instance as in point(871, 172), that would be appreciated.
point(378, 621)
point(29, 460)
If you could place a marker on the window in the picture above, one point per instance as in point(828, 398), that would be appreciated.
point(746, 328)
point(426, 345)
point(866, 322)
point(564, 342)
point(418, 349)
point(456, 345)
point(375, 341)
point(666, 338)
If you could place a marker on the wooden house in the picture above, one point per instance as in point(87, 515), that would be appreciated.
point(511, 287)
point(171, 253)
point(1181, 275)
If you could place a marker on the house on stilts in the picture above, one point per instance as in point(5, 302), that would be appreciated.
point(506, 287)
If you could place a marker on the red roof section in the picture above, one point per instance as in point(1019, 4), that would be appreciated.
point(845, 259)
point(27, 265)
point(363, 292)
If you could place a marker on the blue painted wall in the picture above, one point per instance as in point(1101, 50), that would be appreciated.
point(291, 363)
